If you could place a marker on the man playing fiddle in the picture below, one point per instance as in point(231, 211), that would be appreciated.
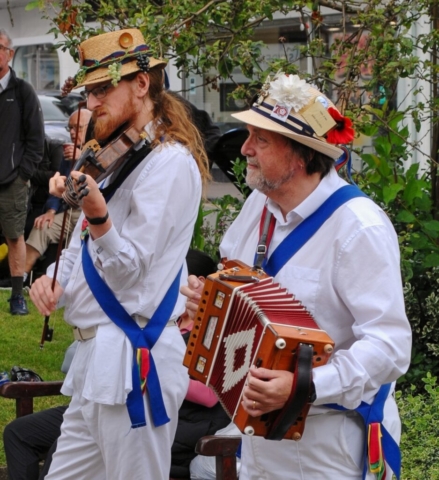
point(346, 274)
point(129, 243)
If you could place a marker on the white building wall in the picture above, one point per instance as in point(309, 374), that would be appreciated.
point(28, 28)
point(407, 98)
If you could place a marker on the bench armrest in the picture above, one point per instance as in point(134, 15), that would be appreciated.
point(24, 393)
point(224, 449)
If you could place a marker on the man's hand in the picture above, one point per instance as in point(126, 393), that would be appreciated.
point(47, 218)
point(266, 390)
point(57, 185)
point(193, 293)
point(89, 195)
point(42, 295)
point(70, 150)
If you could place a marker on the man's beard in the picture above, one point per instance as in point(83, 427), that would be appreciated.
point(256, 180)
point(104, 127)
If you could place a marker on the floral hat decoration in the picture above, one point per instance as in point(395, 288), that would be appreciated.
point(290, 106)
point(112, 55)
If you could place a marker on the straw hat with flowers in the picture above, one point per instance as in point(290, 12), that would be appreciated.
point(292, 107)
point(113, 55)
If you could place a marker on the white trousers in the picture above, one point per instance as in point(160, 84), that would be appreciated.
point(97, 441)
point(330, 449)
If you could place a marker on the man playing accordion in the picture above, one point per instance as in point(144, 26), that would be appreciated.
point(346, 273)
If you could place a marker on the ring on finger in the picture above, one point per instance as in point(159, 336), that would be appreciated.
point(254, 405)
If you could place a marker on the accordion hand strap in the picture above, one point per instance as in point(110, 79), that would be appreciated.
point(299, 395)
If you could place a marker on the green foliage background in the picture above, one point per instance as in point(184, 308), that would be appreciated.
point(215, 37)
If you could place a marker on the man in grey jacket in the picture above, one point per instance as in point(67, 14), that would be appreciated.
point(21, 149)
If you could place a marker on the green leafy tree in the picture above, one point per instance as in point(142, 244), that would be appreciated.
point(378, 48)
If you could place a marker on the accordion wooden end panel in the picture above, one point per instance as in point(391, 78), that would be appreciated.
point(245, 318)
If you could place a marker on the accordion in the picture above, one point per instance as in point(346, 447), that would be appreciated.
point(244, 318)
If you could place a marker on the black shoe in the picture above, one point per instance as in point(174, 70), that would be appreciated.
point(18, 305)
point(5, 283)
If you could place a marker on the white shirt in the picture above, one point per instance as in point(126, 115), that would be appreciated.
point(5, 80)
point(348, 277)
point(153, 214)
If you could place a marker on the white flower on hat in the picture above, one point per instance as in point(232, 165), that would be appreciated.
point(291, 91)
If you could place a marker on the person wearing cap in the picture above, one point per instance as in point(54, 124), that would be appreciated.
point(345, 272)
point(120, 276)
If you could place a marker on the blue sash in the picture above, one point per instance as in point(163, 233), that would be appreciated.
point(139, 338)
point(305, 230)
point(374, 413)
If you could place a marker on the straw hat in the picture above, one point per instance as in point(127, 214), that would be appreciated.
point(112, 55)
point(291, 107)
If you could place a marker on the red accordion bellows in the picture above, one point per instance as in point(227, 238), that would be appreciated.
point(245, 318)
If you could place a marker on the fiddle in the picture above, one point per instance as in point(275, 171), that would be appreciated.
point(99, 163)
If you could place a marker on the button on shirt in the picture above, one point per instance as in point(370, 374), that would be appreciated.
point(153, 214)
point(348, 277)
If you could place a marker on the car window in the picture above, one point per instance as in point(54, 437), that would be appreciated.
point(51, 111)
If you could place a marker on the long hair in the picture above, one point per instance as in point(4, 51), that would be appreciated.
point(172, 122)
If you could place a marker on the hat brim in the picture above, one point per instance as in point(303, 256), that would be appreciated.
point(253, 118)
point(101, 74)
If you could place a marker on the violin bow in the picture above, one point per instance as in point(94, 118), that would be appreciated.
point(47, 333)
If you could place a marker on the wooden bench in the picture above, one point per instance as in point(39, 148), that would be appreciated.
point(223, 448)
point(24, 393)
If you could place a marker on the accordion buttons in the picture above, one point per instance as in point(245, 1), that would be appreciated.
point(280, 343)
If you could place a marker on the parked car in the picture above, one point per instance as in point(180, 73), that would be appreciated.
point(56, 113)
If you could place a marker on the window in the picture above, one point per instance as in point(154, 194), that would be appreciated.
point(39, 65)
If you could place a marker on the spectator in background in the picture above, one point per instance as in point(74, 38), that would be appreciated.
point(47, 227)
point(27, 439)
point(21, 150)
point(53, 154)
point(52, 157)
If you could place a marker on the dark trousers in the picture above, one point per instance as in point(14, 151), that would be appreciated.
point(28, 439)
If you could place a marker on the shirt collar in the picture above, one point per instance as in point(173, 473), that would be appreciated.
point(150, 131)
point(5, 80)
point(328, 185)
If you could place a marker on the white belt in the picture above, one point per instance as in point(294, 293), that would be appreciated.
point(83, 334)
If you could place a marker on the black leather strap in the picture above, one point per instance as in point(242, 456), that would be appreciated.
point(299, 396)
point(97, 220)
